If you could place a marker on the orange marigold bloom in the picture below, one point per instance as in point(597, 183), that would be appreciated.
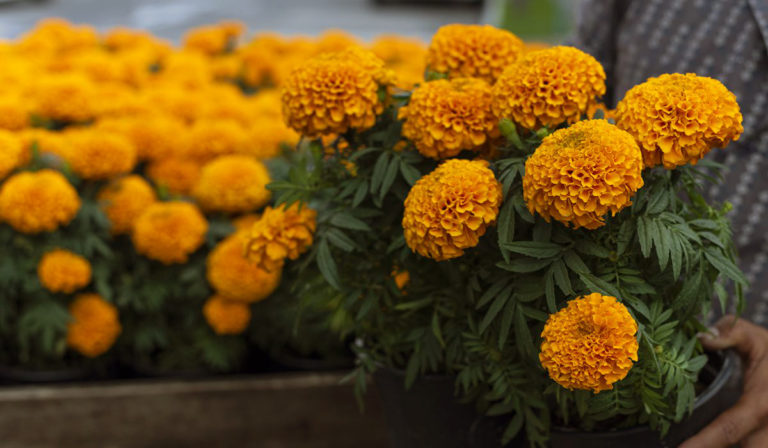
point(445, 117)
point(15, 112)
point(99, 155)
point(232, 184)
point(334, 92)
point(94, 326)
point(549, 87)
point(281, 233)
point(41, 201)
point(45, 141)
point(677, 118)
point(234, 277)
point(405, 57)
point(590, 344)
point(177, 175)
point(478, 51)
point(226, 316)
point(245, 222)
point(13, 152)
point(449, 209)
point(63, 271)
point(68, 98)
point(213, 39)
point(212, 138)
point(267, 137)
point(155, 136)
point(580, 173)
point(124, 199)
point(169, 231)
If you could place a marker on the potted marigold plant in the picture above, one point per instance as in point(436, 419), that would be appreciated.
point(556, 274)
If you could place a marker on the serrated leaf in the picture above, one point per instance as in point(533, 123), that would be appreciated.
point(409, 172)
point(596, 284)
point(574, 262)
point(562, 279)
point(340, 240)
point(379, 171)
point(643, 237)
point(493, 311)
point(389, 177)
point(725, 266)
point(347, 221)
point(534, 249)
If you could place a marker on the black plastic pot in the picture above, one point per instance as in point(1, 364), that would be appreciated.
point(428, 415)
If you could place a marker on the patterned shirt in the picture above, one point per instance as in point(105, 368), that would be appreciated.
point(722, 39)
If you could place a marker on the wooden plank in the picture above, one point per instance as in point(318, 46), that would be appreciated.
point(278, 411)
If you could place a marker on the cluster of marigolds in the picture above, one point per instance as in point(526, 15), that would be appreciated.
point(578, 174)
point(171, 136)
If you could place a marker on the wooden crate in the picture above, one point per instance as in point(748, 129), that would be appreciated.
point(307, 410)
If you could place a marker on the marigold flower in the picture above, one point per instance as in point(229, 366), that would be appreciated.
point(405, 57)
point(63, 271)
point(478, 51)
point(234, 277)
point(41, 201)
point(245, 222)
point(210, 139)
point(124, 199)
point(213, 39)
point(44, 141)
point(445, 117)
point(334, 92)
point(580, 173)
point(177, 175)
point(169, 231)
point(226, 316)
point(549, 87)
point(267, 137)
point(232, 184)
point(13, 153)
point(99, 155)
point(15, 112)
point(589, 344)
point(449, 209)
point(94, 326)
point(281, 233)
point(68, 98)
point(155, 136)
point(677, 118)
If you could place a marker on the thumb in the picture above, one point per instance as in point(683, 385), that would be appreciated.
point(726, 333)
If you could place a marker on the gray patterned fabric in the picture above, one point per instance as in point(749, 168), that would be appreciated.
point(723, 39)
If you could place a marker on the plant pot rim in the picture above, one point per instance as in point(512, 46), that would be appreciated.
point(722, 377)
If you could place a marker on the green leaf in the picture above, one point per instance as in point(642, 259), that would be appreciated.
point(626, 233)
point(549, 290)
point(409, 172)
point(513, 428)
point(725, 266)
point(506, 323)
point(340, 240)
point(436, 329)
point(493, 311)
point(360, 193)
point(596, 284)
point(389, 177)
point(534, 249)
point(523, 335)
point(525, 265)
point(414, 305)
point(575, 263)
point(506, 224)
point(587, 247)
point(379, 171)
point(327, 265)
point(509, 131)
point(491, 292)
point(644, 236)
point(562, 279)
point(347, 221)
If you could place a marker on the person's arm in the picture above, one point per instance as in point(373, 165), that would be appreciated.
point(747, 422)
point(596, 30)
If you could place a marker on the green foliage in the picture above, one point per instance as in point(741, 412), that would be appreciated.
point(480, 316)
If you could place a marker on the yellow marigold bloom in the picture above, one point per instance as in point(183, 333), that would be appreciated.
point(155, 136)
point(445, 117)
point(56, 35)
point(226, 316)
point(549, 87)
point(213, 39)
point(335, 40)
point(124, 199)
point(281, 233)
point(267, 137)
point(68, 98)
point(63, 271)
point(589, 344)
point(94, 326)
point(233, 184)
point(210, 139)
point(580, 173)
point(13, 152)
point(477, 51)
point(234, 277)
point(45, 141)
point(169, 231)
point(677, 118)
point(99, 155)
point(245, 222)
point(177, 175)
point(449, 209)
point(15, 112)
point(171, 98)
point(41, 201)
point(406, 57)
point(334, 92)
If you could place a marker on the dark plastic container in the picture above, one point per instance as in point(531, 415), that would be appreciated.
point(428, 415)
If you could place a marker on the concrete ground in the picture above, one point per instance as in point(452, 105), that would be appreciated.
point(170, 18)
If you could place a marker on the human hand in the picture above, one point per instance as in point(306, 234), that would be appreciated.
point(746, 423)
